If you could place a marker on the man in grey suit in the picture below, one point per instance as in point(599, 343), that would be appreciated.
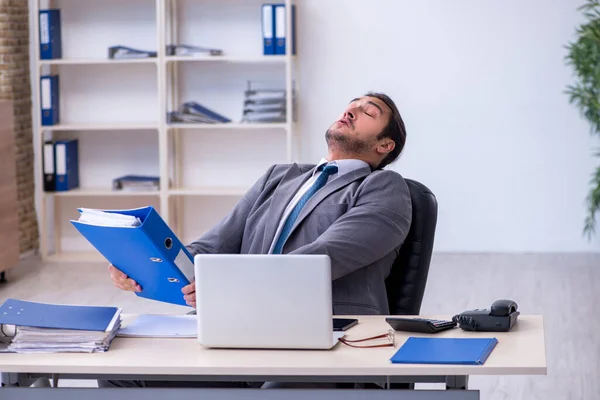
point(347, 206)
point(359, 215)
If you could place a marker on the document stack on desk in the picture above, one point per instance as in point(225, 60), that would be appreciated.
point(29, 327)
point(164, 326)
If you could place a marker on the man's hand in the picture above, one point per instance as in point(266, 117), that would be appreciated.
point(189, 292)
point(122, 281)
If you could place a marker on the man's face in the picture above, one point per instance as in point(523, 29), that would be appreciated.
point(357, 128)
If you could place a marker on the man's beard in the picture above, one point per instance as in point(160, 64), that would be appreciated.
point(336, 140)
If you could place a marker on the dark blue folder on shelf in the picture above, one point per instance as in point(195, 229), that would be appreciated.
point(57, 316)
point(50, 34)
point(50, 99)
point(66, 153)
point(465, 351)
point(150, 253)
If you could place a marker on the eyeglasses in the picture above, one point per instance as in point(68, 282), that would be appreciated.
point(389, 338)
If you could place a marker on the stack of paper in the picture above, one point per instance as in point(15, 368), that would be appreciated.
point(102, 218)
point(264, 105)
point(165, 326)
point(30, 327)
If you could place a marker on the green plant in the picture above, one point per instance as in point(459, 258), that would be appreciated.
point(584, 56)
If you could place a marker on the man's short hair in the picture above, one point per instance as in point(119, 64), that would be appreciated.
point(394, 130)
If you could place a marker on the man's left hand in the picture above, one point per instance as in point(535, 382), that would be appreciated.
point(189, 292)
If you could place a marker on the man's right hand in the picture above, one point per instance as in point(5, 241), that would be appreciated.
point(121, 280)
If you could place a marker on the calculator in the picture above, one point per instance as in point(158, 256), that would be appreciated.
point(421, 325)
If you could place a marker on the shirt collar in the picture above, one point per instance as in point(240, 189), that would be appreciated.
point(344, 166)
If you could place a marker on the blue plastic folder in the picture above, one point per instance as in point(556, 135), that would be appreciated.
point(465, 351)
point(150, 254)
point(41, 315)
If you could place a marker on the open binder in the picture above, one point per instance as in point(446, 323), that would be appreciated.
point(139, 243)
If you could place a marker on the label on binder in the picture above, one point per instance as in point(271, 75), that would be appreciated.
point(185, 265)
point(280, 22)
point(49, 158)
point(46, 94)
point(61, 159)
point(267, 22)
point(44, 29)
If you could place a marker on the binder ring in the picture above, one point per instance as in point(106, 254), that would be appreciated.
point(168, 243)
point(155, 259)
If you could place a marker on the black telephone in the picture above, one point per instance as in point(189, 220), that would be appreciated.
point(500, 318)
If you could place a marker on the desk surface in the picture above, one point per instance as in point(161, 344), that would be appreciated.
point(519, 352)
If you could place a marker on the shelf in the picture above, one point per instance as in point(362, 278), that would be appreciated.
point(209, 191)
point(245, 126)
point(79, 256)
point(117, 110)
point(230, 59)
point(97, 61)
point(100, 127)
point(86, 192)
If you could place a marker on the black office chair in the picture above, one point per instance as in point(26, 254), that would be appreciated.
point(407, 280)
point(406, 283)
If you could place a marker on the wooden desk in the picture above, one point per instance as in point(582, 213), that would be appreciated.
point(519, 352)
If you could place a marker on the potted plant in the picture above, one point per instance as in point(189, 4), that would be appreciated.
point(584, 56)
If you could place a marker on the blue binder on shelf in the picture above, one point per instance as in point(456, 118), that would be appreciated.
point(148, 253)
point(281, 41)
point(463, 351)
point(49, 93)
point(57, 316)
point(66, 155)
point(268, 29)
point(50, 34)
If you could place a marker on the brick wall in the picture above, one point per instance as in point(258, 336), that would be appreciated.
point(15, 86)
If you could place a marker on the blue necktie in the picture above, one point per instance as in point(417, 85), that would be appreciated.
point(326, 170)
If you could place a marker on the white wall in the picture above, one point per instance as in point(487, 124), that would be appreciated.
point(480, 87)
point(479, 84)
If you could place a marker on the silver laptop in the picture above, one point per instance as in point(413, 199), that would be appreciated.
point(264, 301)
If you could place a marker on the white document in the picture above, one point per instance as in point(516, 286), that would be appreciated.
point(101, 218)
point(161, 326)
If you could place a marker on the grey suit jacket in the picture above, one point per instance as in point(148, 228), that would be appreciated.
point(360, 220)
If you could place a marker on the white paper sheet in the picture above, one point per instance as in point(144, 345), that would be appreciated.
point(161, 326)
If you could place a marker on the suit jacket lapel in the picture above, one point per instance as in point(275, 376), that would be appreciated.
point(289, 185)
point(329, 188)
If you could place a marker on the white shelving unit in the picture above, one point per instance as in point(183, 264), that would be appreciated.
point(118, 111)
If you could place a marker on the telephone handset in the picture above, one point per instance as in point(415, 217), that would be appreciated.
point(501, 317)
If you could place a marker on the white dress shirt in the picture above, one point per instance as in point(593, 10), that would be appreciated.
point(344, 167)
